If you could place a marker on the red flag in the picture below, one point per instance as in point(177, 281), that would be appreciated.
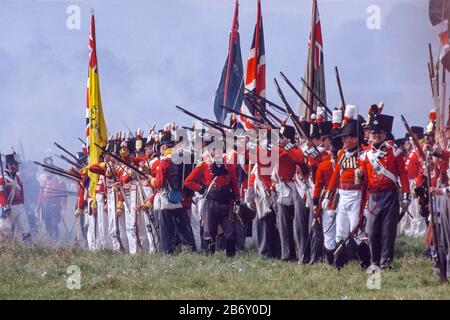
point(317, 58)
point(255, 79)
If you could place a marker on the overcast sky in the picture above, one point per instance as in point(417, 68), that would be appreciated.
point(156, 54)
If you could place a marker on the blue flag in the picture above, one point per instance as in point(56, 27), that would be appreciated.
point(230, 90)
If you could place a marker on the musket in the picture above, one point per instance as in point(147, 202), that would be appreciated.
point(264, 116)
point(150, 217)
point(441, 117)
point(289, 83)
point(122, 192)
point(224, 126)
point(188, 128)
point(352, 235)
point(65, 150)
point(257, 106)
point(316, 96)
point(242, 114)
point(435, 82)
point(119, 239)
point(341, 92)
point(3, 177)
point(58, 171)
point(23, 152)
point(129, 130)
point(118, 159)
point(413, 137)
point(295, 121)
point(430, 76)
point(203, 120)
point(426, 158)
point(248, 92)
point(69, 161)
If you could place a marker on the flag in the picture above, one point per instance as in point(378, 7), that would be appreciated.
point(318, 64)
point(255, 79)
point(229, 92)
point(439, 12)
point(96, 132)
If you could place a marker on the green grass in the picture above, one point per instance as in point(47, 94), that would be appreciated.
point(40, 273)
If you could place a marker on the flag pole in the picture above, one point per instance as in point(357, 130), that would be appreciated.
point(230, 44)
point(311, 73)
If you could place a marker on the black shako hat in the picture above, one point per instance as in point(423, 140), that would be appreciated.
point(419, 131)
point(166, 139)
point(288, 132)
point(11, 159)
point(325, 129)
point(314, 130)
point(350, 129)
point(378, 122)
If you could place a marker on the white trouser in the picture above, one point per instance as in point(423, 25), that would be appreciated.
point(16, 224)
point(151, 233)
point(347, 216)
point(195, 225)
point(90, 222)
point(329, 229)
point(102, 222)
point(112, 224)
point(413, 227)
point(130, 220)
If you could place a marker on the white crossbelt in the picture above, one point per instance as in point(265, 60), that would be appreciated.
point(378, 168)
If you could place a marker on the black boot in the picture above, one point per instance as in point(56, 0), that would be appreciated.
point(211, 247)
point(230, 249)
point(364, 255)
point(340, 259)
point(329, 254)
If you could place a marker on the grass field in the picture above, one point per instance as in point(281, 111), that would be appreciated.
point(40, 272)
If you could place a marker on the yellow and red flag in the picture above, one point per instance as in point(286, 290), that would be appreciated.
point(96, 132)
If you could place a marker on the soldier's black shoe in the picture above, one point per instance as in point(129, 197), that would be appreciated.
point(329, 254)
point(211, 247)
point(340, 259)
point(230, 249)
point(364, 255)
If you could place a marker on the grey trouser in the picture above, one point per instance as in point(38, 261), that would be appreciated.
point(267, 236)
point(302, 228)
point(215, 214)
point(174, 227)
point(381, 226)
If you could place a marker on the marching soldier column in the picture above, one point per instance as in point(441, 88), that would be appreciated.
point(328, 197)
